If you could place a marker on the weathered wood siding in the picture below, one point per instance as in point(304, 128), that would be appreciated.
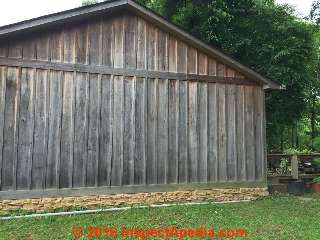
point(69, 129)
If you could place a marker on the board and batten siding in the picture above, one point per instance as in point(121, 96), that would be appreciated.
point(72, 128)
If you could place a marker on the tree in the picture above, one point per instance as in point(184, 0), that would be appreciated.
point(314, 91)
point(264, 36)
point(315, 12)
point(88, 2)
point(166, 8)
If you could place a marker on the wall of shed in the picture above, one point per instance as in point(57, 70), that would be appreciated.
point(70, 129)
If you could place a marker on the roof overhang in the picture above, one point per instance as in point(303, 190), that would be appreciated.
point(112, 5)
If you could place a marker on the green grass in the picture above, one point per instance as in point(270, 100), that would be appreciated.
point(276, 217)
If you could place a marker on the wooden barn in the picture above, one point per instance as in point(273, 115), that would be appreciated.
point(112, 98)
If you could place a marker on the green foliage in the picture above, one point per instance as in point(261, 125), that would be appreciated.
point(296, 151)
point(316, 180)
point(316, 162)
point(317, 144)
point(315, 11)
point(274, 217)
point(166, 8)
point(270, 39)
point(283, 167)
point(88, 2)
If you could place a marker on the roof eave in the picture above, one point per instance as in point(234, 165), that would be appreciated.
point(57, 18)
point(139, 9)
point(83, 12)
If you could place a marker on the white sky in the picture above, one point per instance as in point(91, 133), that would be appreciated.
point(18, 10)
point(302, 6)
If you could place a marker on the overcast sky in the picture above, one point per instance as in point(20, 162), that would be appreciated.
point(18, 10)
point(303, 6)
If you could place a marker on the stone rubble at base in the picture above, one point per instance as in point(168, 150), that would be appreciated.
point(216, 195)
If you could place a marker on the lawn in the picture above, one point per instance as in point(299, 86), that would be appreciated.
point(276, 217)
